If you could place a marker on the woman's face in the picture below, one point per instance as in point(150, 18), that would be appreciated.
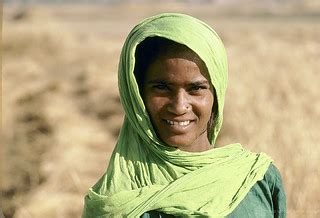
point(179, 99)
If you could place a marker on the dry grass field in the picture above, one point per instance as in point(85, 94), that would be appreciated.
point(62, 114)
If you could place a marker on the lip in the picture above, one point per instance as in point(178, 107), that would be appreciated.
point(178, 126)
point(180, 123)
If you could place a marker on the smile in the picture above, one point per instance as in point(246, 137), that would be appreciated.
point(182, 123)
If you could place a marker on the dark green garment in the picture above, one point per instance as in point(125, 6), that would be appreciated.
point(265, 199)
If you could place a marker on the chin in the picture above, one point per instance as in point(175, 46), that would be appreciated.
point(178, 142)
point(189, 143)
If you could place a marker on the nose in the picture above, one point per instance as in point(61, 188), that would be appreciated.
point(179, 103)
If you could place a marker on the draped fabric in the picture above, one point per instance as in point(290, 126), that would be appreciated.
point(143, 173)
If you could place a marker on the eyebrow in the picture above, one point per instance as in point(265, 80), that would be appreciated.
point(195, 83)
point(199, 83)
point(159, 81)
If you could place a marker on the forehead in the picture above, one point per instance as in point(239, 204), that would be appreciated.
point(177, 62)
point(176, 70)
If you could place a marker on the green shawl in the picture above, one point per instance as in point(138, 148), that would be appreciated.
point(144, 174)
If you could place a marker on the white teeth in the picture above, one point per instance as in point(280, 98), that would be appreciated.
point(184, 123)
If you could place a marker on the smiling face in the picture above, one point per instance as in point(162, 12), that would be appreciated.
point(178, 97)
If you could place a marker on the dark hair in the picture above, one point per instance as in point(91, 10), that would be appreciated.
point(152, 48)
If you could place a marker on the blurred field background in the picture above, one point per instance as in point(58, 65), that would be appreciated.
point(62, 113)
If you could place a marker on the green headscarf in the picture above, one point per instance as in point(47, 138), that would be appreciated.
point(144, 174)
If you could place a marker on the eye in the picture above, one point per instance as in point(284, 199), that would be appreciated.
point(160, 87)
point(198, 88)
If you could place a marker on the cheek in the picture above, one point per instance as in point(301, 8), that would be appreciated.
point(154, 105)
point(204, 107)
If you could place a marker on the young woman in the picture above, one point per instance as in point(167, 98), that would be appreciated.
point(172, 82)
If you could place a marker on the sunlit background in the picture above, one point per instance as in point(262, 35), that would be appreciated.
point(61, 107)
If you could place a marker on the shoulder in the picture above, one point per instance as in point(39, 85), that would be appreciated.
point(272, 174)
point(272, 184)
point(265, 199)
point(270, 189)
point(272, 178)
